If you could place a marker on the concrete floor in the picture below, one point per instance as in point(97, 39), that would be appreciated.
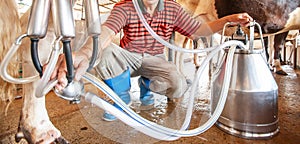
point(82, 123)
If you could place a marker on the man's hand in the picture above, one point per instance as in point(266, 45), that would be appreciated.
point(81, 64)
point(243, 19)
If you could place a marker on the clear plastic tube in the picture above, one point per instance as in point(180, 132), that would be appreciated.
point(153, 129)
point(197, 78)
point(150, 128)
point(164, 132)
point(127, 119)
point(3, 67)
point(43, 87)
point(43, 82)
point(158, 38)
point(167, 44)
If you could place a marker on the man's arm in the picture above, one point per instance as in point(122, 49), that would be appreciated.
point(105, 39)
point(209, 28)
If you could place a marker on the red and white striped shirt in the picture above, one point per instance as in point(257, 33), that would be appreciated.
point(168, 17)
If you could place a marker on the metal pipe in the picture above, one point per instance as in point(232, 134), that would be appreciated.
point(251, 41)
point(93, 24)
point(63, 20)
point(93, 21)
point(5, 61)
point(65, 27)
point(37, 28)
point(38, 19)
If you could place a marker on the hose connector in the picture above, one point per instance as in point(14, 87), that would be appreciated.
point(72, 92)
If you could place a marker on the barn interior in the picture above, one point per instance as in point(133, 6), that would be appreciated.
point(82, 122)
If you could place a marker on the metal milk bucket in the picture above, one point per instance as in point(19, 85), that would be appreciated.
point(251, 109)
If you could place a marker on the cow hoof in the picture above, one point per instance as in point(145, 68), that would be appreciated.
point(43, 132)
point(281, 72)
point(61, 140)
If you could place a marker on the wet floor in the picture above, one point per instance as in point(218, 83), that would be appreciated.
point(82, 123)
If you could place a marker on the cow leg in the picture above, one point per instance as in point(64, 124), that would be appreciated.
point(279, 40)
point(180, 41)
point(199, 44)
point(196, 58)
point(35, 125)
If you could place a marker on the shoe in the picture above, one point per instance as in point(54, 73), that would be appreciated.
point(147, 100)
point(147, 104)
point(108, 117)
point(146, 96)
point(121, 86)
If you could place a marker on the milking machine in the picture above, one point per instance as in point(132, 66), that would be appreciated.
point(64, 28)
point(63, 21)
point(75, 88)
point(37, 28)
point(251, 107)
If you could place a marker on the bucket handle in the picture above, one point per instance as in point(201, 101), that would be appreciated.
point(251, 37)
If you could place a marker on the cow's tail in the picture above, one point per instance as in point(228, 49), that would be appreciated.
point(10, 29)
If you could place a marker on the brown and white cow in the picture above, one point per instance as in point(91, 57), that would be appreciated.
point(35, 125)
point(34, 117)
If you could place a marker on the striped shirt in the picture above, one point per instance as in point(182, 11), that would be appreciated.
point(168, 17)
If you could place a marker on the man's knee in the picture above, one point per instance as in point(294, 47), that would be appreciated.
point(109, 52)
point(178, 85)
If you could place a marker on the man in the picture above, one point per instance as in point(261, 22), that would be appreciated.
point(140, 54)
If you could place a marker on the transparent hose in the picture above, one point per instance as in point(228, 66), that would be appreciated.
point(215, 50)
point(3, 67)
point(42, 86)
point(150, 128)
point(127, 119)
point(165, 133)
point(199, 75)
point(158, 38)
